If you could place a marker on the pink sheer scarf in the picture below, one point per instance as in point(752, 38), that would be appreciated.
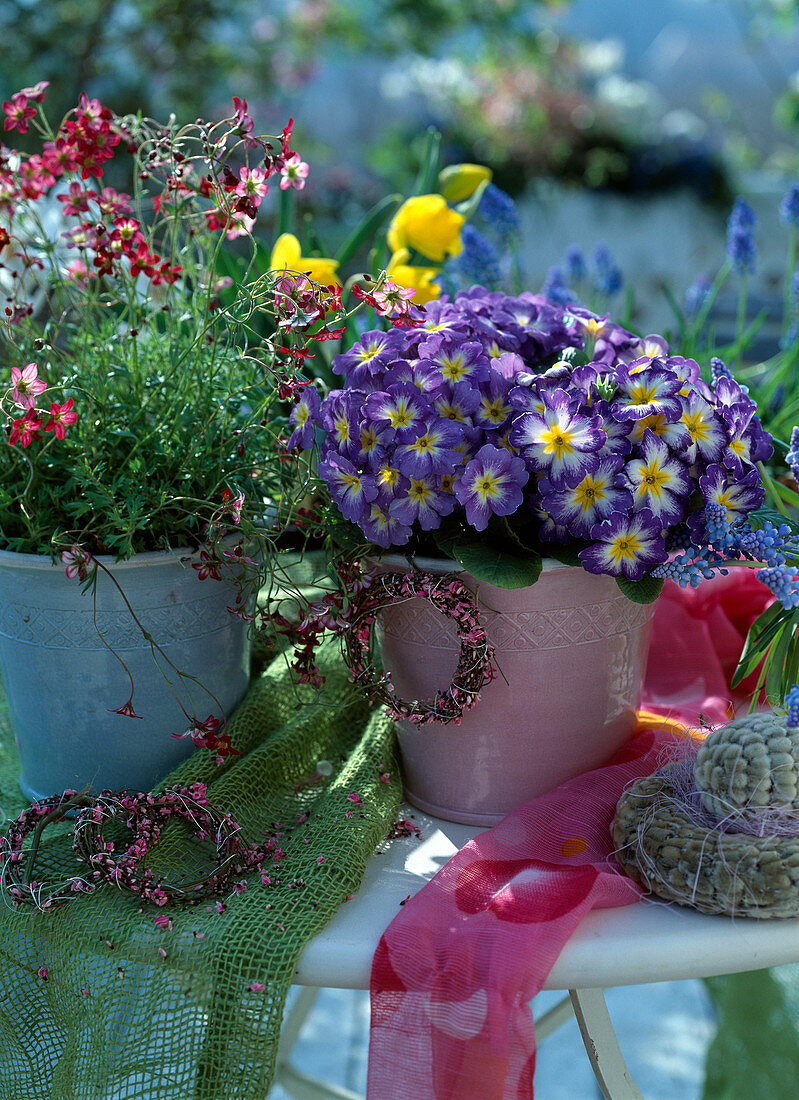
point(455, 971)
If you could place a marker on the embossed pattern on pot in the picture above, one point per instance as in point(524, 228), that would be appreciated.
point(568, 704)
point(63, 684)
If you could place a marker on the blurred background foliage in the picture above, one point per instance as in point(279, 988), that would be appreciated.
point(510, 83)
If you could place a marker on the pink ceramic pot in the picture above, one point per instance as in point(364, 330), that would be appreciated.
point(573, 651)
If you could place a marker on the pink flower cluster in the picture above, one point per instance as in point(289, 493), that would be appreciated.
point(145, 814)
point(109, 239)
point(352, 617)
point(26, 386)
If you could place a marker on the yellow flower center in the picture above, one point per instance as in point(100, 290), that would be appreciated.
point(625, 547)
point(363, 355)
point(557, 442)
point(642, 394)
point(419, 491)
point(453, 368)
point(653, 480)
point(588, 492)
point(400, 416)
point(368, 439)
point(487, 486)
point(388, 476)
point(495, 411)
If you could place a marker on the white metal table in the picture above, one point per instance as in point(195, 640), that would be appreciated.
point(630, 945)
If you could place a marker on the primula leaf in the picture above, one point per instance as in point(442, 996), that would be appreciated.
point(758, 517)
point(646, 590)
point(500, 567)
point(566, 555)
point(446, 536)
point(348, 536)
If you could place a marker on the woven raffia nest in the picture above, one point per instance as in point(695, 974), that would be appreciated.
point(721, 835)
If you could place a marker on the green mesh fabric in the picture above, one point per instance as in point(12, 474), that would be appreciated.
point(186, 1027)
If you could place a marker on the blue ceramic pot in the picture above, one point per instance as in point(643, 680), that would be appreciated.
point(63, 683)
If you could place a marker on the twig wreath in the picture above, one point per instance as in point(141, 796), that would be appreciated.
point(145, 814)
point(449, 596)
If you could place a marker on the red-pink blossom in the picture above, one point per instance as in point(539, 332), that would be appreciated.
point(252, 184)
point(25, 430)
point(18, 111)
point(126, 710)
point(61, 416)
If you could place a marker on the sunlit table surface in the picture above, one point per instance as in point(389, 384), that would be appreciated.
point(647, 941)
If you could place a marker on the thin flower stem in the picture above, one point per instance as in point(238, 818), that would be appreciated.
point(768, 482)
point(790, 271)
point(740, 318)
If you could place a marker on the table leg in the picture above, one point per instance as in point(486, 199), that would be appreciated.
point(602, 1046)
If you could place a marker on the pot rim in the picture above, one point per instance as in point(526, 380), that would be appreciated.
point(11, 559)
point(449, 565)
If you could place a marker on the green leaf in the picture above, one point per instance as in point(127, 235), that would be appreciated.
point(427, 179)
point(372, 223)
point(348, 536)
point(468, 207)
point(498, 566)
point(646, 590)
point(775, 662)
point(758, 518)
point(566, 555)
point(761, 634)
point(445, 538)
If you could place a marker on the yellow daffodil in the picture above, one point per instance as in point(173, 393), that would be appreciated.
point(426, 224)
point(420, 278)
point(457, 182)
point(287, 256)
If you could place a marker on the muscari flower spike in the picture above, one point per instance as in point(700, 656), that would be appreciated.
point(792, 702)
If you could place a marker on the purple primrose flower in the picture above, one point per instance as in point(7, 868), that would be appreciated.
point(559, 440)
point(625, 546)
point(491, 484)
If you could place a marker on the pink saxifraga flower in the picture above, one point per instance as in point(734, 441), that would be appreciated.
point(24, 431)
point(126, 710)
point(77, 560)
point(17, 111)
point(42, 972)
point(392, 297)
point(252, 184)
point(77, 272)
point(27, 385)
point(256, 987)
point(293, 173)
point(61, 416)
